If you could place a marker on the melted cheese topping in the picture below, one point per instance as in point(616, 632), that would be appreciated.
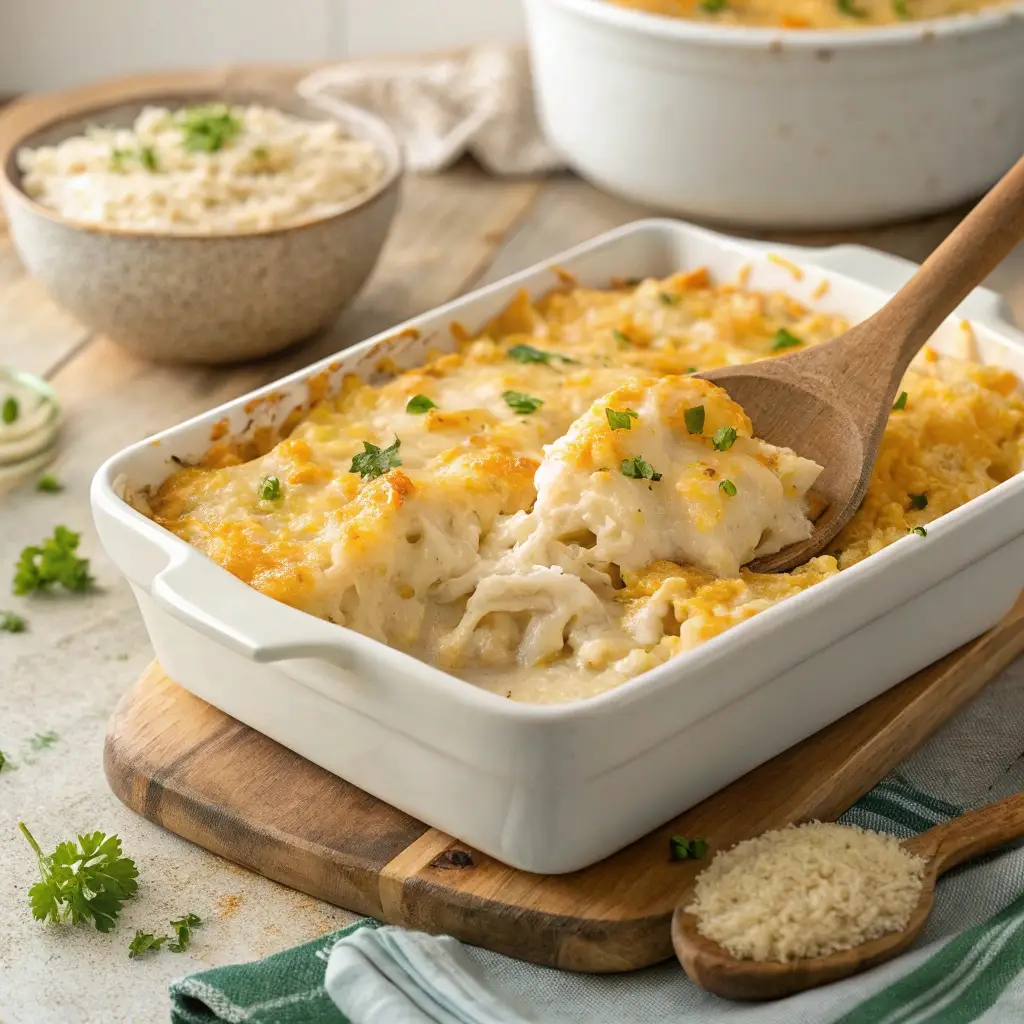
point(566, 507)
point(804, 14)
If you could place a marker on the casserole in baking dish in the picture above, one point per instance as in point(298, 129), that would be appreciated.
point(554, 788)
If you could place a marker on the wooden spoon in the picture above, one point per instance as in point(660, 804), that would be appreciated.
point(944, 846)
point(830, 402)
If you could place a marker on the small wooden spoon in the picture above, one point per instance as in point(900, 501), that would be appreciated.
point(830, 402)
point(944, 846)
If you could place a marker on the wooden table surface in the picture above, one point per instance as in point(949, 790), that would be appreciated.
point(454, 232)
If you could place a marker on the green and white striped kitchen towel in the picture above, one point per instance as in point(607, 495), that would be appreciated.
point(968, 965)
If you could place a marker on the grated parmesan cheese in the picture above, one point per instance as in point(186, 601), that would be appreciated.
point(806, 891)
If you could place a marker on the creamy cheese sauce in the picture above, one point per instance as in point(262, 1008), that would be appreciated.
point(820, 14)
point(558, 505)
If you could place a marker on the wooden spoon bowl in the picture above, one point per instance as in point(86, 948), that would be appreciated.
point(830, 402)
point(944, 846)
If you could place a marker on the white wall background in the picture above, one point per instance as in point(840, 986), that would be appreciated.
point(46, 44)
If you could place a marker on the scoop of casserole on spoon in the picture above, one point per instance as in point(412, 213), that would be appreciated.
point(830, 402)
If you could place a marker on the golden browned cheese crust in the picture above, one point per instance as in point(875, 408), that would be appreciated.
point(397, 555)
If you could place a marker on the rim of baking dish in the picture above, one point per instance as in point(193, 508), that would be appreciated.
point(696, 660)
point(378, 133)
point(911, 33)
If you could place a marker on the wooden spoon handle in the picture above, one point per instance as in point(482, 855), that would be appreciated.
point(971, 834)
point(967, 256)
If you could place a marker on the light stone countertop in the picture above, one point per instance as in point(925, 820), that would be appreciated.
point(66, 673)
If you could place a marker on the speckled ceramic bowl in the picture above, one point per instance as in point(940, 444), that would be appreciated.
point(204, 298)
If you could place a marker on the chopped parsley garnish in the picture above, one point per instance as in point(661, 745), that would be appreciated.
point(373, 462)
point(712, 6)
point(901, 402)
point(10, 410)
point(43, 740)
point(55, 563)
point(259, 152)
point(900, 9)
point(84, 881)
point(522, 404)
point(118, 158)
point(681, 848)
point(269, 489)
point(668, 298)
point(529, 354)
point(848, 8)
point(11, 623)
point(691, 369)
point(419, 404)
point(3, 760)
point(620, 420)
point(207, 129)
point(920, 531)
point(694, 419)
point(147, 157)
point(620, 336)
point(49, 484)
point(144, 942)
point(723, 438)
point(784, 339)
point(918, 501)
point(728, 488)
point(638, 469)
point(183, 930)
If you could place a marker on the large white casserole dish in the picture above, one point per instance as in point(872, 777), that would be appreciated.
point(554, 788)
point(781, 127)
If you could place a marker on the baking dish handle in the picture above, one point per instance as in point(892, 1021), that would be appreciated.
point(204, 596)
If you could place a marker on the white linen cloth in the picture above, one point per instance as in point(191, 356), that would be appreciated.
point(479, 102)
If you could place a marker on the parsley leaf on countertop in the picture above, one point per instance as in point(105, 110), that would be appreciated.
point(373, 462)
point(11, 623)
point(681, 848)
point(55, 563)
point(84, 881)
point(49, 484)
point(144, 942)
point(183, 929)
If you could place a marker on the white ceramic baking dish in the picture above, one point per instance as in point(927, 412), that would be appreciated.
point(551, 789)
point(781, 127)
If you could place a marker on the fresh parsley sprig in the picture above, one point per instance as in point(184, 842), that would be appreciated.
point(784, 339)
point(53, 564)
point(12, 623)
point(638, 468)
point(620, 420)
point(84, 881)
point(207, 129)
point(419, 404)
point(681, 848)
point(373, 462)
point(183, 930)
point(522, 403)
point(144, 942)
point(529, 354)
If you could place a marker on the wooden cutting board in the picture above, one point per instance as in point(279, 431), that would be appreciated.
point(190, 768)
